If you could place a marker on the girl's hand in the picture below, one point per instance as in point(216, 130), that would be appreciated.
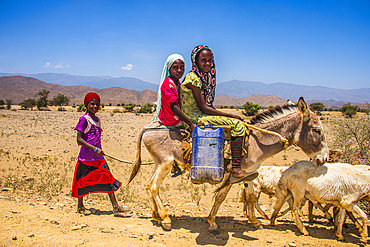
point(238, 117)
point(193, 125)
point(99, 151)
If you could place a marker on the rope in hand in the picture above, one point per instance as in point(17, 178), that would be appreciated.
point(125, 161)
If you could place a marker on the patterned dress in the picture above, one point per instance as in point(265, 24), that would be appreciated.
point(190, 107)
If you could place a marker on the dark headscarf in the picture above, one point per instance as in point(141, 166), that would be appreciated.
point(208, 79)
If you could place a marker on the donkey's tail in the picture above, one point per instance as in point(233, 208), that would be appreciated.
point(137, 162)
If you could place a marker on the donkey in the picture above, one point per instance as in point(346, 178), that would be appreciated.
point(295, 122)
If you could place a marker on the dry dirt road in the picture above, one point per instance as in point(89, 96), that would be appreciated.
point(38, 152)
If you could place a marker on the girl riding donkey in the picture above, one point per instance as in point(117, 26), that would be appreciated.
point(197, 93)
point(92, 173)
point(168, 110)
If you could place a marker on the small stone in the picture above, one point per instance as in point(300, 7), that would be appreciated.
point(54, 222)
point(5, 198)
point(14, 237)
point(133, 236)
point(75, 228)
point(269, 241)
point(31, 235)
point(51, 207)
point(14, 212)
point(292, 244)
point(6, 189)
point(32, 204)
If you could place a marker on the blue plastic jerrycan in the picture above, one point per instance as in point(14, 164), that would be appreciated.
point(207, 159)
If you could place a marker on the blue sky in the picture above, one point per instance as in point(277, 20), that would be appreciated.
point(302, 42)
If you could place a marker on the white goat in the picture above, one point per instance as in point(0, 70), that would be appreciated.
point(342, 185)
point(267, 182)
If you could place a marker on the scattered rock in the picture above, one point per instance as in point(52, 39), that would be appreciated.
point(14, 212)
point(133, 236)
point(6, 189)
point(5, 198)
point(292, 244)
point(14, 237)
point(75, 228)
point(31, 235)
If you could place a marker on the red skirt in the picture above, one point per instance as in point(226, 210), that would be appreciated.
point(93, 177)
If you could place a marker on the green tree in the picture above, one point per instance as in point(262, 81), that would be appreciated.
point(317, 107)
point(60, 100)
point(42, 100)
point(251, 109)
point(81, 107)
point(147, 108)
point(28, 104)
point(2, 102)
point(129, 107)
point(8, 103)
point(349, 110)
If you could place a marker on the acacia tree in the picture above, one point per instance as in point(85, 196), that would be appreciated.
point(8, 103)
point(42, 100)
point(28, 103)
point(60, 100)
point(349, 110)
point(317, 107)
point(251, 109)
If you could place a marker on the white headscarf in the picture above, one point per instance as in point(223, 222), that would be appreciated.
point(165, 73)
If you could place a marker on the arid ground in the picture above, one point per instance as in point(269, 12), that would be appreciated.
point(38, 153)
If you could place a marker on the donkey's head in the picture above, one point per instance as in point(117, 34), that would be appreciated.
point(311, 136)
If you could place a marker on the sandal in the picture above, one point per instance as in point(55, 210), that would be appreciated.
point(120, 209)
point(247, 177)
point(84, 211)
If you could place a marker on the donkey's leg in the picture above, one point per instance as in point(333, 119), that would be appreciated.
point(153, 191)
point(219, 198)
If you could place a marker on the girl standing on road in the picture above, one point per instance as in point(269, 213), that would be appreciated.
point(92, 173)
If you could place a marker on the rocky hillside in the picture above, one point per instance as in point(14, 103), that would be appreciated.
point(19, 88)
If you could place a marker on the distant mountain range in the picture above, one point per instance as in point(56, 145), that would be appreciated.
point(235, 92)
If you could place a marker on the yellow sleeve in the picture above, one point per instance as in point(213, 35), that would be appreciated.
point(192, 78)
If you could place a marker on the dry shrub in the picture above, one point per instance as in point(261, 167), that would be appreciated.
point(352, 140)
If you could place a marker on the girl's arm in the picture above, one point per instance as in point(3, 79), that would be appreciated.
point(84, 143)
point(175, 109)
point(206, 109)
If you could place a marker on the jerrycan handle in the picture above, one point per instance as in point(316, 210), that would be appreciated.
point(207, 126)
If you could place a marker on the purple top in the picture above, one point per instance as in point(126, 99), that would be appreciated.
point(92, 135)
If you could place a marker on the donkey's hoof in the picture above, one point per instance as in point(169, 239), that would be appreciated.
point(166, 224)
point(258, 227)
point(215, 231)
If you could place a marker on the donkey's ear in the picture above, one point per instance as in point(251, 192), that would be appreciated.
point(302, 106)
